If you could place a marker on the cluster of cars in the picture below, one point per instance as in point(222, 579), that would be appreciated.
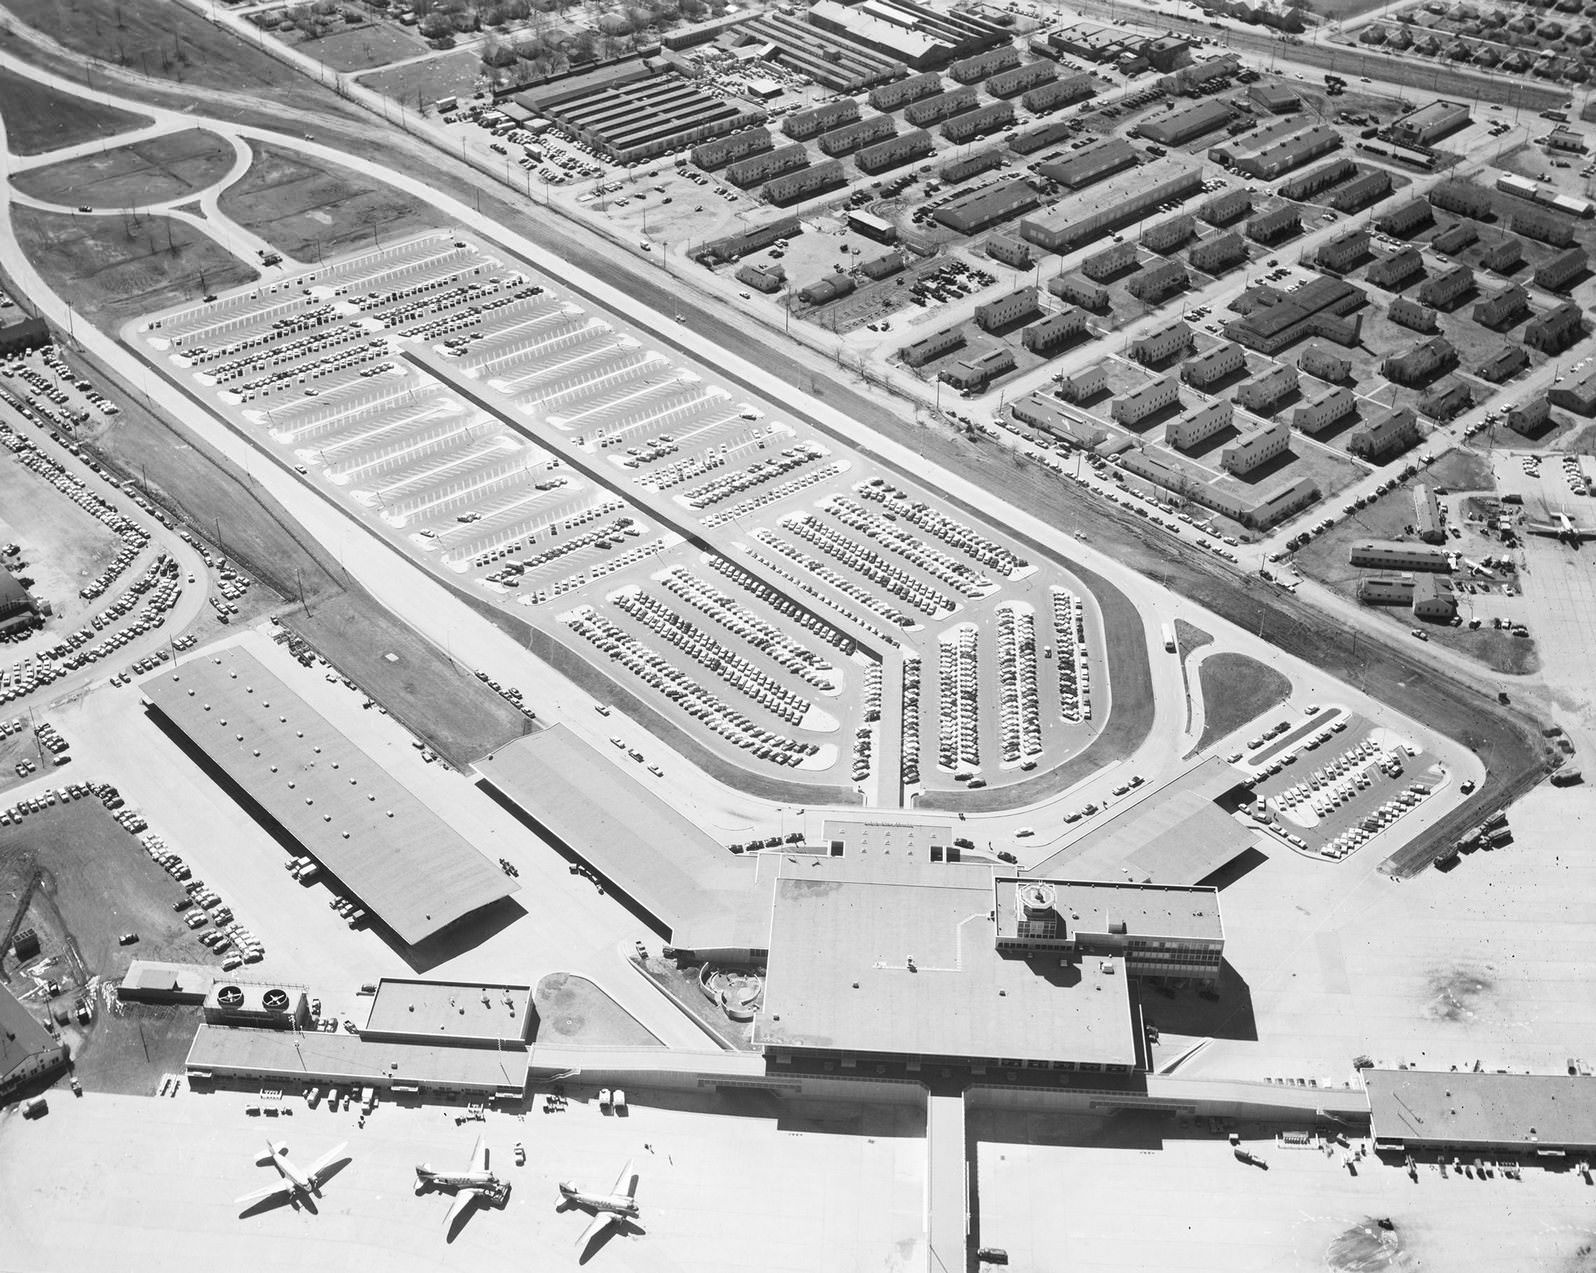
point(814, 568)
point(881, 528)
point(46, 390)
point(645, 452)
point(1574, 475)
point(872, 565)
point(792, 656)
point(353, 913)
point(722, 488)
point(606, 536)
point(770, 842)
point(658, 673)
point(783, 605)
point(75, 651)
point(863, 735)
point(1020, 705)
point(955, 534)
point(738, 672)
point(50, 796)
point(910, 749)
point(959, 700)
point(743, 507)
point(509, 693)
point(1325, 523)
point(1074, 672)
point(948, 282)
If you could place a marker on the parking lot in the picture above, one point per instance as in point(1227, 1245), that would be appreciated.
point(1332, 782)
point(507, 435)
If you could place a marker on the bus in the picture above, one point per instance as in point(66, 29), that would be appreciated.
point(1169, 638)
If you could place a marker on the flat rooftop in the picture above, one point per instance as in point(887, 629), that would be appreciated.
point(1520, 1111)
point(1175, 834)
point(167, 980)
point(451, 1011)
point(705, 895)
point(1146, 910)
point(839, 976)
point(404, 863)
point(909, 839)
point(235, 1051)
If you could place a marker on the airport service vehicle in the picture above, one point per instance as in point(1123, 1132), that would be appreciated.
point(475, 1182)
point(300, 1184)
point(608, 1208)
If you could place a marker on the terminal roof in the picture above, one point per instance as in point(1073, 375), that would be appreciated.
point(840, 979)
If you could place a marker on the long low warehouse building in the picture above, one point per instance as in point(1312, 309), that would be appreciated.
point(1078, 221)
point(1538, 1115)
point(394, 854)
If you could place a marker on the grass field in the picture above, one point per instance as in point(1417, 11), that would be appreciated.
point(363, 47)
point(309, 211)
point(38, 119)
point(1236, 689)
point(160, 40)
point(155, 171)
point(438, 700)
point(113, 268)
point(98, 884)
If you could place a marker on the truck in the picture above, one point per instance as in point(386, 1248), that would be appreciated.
point(307, 875)
point(1169, 638)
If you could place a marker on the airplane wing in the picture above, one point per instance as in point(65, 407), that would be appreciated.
point(601, 1221)
point(479, 1157)
point(315, 1170)
point(463, 1201)
point(626, 1182)
point(260, 1195)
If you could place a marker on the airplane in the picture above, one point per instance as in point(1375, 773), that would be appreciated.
point(467, 1186)
point(300, 1184)
point(621, 1204)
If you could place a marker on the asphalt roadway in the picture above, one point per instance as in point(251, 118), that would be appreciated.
point(1505, 741)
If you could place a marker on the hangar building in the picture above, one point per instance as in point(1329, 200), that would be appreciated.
point(296, 771)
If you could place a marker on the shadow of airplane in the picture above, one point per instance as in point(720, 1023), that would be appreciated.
point(621, 1228)
point(476, 1203)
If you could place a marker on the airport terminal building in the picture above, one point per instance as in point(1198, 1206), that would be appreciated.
point(951, 964)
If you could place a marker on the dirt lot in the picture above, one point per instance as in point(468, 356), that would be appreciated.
point(98, 884)
point(63, 546)
point(573, 1010)
point(307, 211)
point(154, 171)
point(38, 119)
point(113, 268)
point(15, 747)
point(1236, 690)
